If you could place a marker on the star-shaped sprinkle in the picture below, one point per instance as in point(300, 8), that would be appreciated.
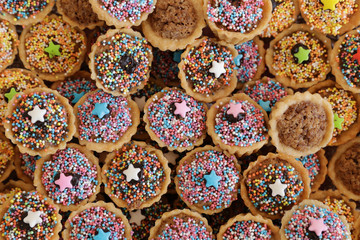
point(265, 105)
point(37, 114)
point(181, 109)
point(140, 102)
point(317, 226)
point(64, 182)
point(53, 50)
point(10, 94)
point(356, 56)
point(77, 97)
point(235, 109)
point(33, 218)
point(302, 55)
point(338, 121)
point(329, 4)
point(136, 217)
point(177, 55)
point(217, 68)
point(278, 188)
point(171, 157)
point(237, 59)
point(131, 173)
point(101, 235)
point(212, 179)
point(100, 109)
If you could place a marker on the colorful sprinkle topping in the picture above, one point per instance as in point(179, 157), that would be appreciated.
point(194, 175)
point(248, 230)
point(300, 222)
point(6, 155)
point(174, 130)
point(324, 17)
point(165, 67)
point(39, 135)
point(88, 223)
point(244, 17)
point(14, 226)
point(112, 126)
point(312, 164)
point(23, 9)
point(245, 130)
point(146, 181)
point(208, 67)
point(8, 43)
point(124, 10)
point(286, 64)
point(247, 61)
point(71, 44)
point(266, 173)
point(73, 164)
point(28, 164)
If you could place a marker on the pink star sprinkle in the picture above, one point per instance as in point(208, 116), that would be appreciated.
point(235, 109)
point(181, 108)
point(317, 226)
point(64, 182)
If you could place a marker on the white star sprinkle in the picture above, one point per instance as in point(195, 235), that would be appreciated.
point(217, 68)
point(33, 218)
point(278, 188)
point(132, 173)
point(37, 114)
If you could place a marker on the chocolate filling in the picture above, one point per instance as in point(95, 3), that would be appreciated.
point(302, 126)
point(348, 168)
point(79, 11)
point(174, 19)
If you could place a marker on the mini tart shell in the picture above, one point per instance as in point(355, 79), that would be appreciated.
point(332, 172)
point(104, 15)
point(164, 185)
point(79, 74)
point(354, 128)
point(174, 44)
point(237, 37)
point(269, 59)
point(15, 43)
point(49, 150)
point(16, 184)
point(56, 229)
point(334, 62)
point(75, 23)
point(320, 178)
point(188, 159)
point(109, 146)
point(210, 124)
point(280, 108)
point(301, 205)
point(108, 206)
point(249, 217)
point(41, 188)
point(31, 20)
point(155, 98)
point(110, 33)
point(19, 172)
point(294, 163)
point(261, 67)
point(10, 162)
point(48, 76)
point(224, 91)
point(166, 217)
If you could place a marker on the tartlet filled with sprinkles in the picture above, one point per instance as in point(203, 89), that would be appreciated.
point(345, 106)
point(136, 175)
point(345, 61)
point(71, 177)
point(104, 121)
point(248, 226)
point(11, 187)
point(181, 224)
point(98, 220)
point(174, 24)
point(237, 21)
point(238, 124)
point(207, 69)
point(120, 62)
point(52, 48)
point(123, 13)
point(175, 120)
point(333, 17)
point(7, 157)
point(9, 42)
point(25, 12)
point(39, 121)
point(208, 179)
point(274, 184)
point(25, 166)
point(312, 219)
point(301, 124)
point(29, 215)
point(298, 57)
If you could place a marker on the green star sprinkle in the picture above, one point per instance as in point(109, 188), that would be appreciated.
point(11, 94)
point(302, 55)
point(53, 50)
point(338, 121)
